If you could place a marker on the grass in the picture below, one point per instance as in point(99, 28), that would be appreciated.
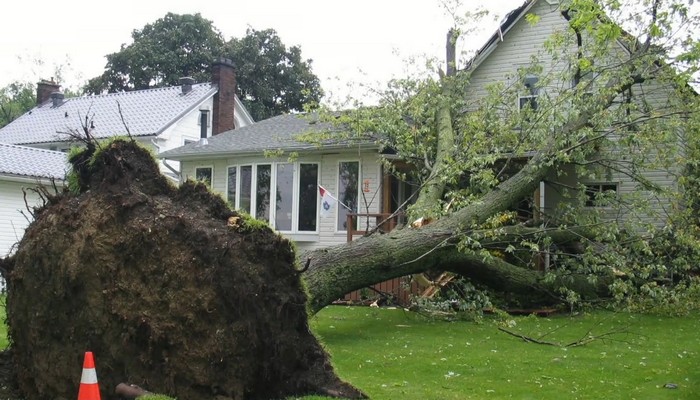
point(393, 354)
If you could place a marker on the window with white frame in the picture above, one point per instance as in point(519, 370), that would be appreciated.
point(204, 174)
point(527, 100)
point(285, 194)
point(246, 193)
point(348, 191)
point(600, 194)
point(307, 197)
point(263, 174)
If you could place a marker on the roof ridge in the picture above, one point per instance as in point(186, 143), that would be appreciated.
point(162, 88)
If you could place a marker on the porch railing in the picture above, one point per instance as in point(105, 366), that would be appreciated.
point(384, 222)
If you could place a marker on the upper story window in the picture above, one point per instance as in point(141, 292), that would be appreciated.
point(528, 98)
point(204, 122)
point(284, 194)
point(600, 194)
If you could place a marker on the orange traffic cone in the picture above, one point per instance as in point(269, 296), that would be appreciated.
point(89, 389)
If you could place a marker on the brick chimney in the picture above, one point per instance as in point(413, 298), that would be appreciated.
point(44, 89)
point(224, 77)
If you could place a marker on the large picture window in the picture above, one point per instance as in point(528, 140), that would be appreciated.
point(231, 185)
point(308, 197)
point(284, 188)
point(262, 192)
point(348, 178)
point(285, 194)
point(246, 193)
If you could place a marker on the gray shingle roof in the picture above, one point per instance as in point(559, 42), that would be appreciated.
point(32, 162)
point(146, 112)
point(276, 133)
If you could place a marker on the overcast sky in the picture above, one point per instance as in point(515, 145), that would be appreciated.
point(342, 37)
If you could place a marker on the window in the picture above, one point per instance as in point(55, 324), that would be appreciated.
point(528, 99)
point(204, 116)
point(294, 206)
point(262, 192)
point(348, 188)
point(246, 193)
point(599, 194)
point(231, 188)
point(308, 197)
point(284, 195)
point(204, 174)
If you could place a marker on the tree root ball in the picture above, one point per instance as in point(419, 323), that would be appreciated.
point(169, 288)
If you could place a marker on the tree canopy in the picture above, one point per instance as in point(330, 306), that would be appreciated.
point(606, 98)
point(272, 78)
point(16, 99)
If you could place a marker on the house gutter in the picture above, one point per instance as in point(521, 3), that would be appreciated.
point(319, 150)
point(170, 167)
point(498, 36)
point(31, 179)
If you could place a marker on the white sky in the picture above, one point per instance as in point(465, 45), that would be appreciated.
point(342, 38)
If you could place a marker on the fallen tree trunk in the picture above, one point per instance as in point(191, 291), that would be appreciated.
point(338, 270)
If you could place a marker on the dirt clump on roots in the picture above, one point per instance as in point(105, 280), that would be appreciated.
point(168, 287)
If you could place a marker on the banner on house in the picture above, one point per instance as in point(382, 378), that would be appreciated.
point(327, 202)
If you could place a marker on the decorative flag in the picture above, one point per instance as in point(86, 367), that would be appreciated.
point(327, 202)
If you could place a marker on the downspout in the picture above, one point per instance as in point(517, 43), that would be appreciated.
point(165, 162)
point(173, 170)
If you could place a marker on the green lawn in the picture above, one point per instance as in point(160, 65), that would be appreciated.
point(393, 354)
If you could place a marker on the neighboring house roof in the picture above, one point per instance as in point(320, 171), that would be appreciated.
point(277, 133)
point(29, 162)
point(146, 113)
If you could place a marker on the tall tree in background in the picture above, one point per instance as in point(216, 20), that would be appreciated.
point(16, 99)
point(162, 52)
point(272, 78)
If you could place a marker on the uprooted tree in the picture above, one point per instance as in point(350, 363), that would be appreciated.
point(170, 288)
point(595, 103)
point(184, 296)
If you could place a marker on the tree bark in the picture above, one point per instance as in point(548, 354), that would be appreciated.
point(433, 190)
point(338, 270)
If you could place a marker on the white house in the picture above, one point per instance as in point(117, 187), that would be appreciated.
point(23, 168)
point(245, 165)
point(248, 164)
point(512, 48)
point(161, 118)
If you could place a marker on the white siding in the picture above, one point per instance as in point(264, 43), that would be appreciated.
point(13, 222)
point(525, 41)
point(520, 44)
